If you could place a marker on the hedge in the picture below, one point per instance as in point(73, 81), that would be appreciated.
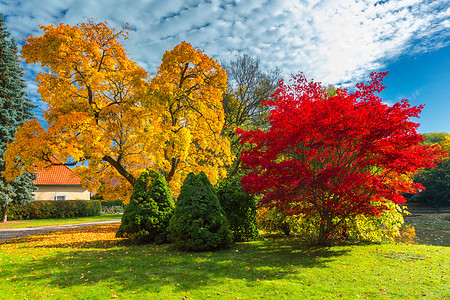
point(112, 203)
point(54, 209)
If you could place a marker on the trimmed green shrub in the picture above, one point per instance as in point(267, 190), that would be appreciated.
point(239, 208)
point(54, 209)
point(111, 203)
point(198, 222)
point(146, 218)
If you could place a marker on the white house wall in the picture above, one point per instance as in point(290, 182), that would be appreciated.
point(48, 192)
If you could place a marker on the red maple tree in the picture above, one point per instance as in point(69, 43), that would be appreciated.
point(335, 157)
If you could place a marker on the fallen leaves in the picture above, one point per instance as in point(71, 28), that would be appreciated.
point(83, 237)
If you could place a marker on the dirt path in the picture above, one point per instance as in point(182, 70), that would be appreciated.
point(13, 233)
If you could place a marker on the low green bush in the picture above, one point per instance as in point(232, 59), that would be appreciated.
point(385, 227)
point(273, 220)
point(54, 209)
point(198, 222)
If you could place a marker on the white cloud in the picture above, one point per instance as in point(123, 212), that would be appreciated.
point(331, 41)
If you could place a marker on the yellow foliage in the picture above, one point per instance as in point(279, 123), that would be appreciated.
point(187, 92)
point(107, 117)
point(446, 143)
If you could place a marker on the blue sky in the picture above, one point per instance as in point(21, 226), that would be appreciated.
point(334, 41)
point(423, 79)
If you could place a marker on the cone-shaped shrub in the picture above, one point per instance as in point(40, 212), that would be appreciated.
point(239, 208)
point(198, 222)
point(146, 218)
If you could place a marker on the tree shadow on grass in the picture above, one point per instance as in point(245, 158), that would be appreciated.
point(109, 264)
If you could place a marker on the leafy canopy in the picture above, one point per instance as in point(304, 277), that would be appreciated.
point(187, 92)
point(106, 113)
point(248, 85)
point(335, 157)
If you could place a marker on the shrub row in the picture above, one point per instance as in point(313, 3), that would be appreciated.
point(54, 209)
point(197, 221)
point(112, 203)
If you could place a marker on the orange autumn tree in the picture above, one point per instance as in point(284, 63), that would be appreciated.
point(104, 113)
point(188, 90)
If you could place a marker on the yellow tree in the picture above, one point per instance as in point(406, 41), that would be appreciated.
point(102, 112)
point(187, 91)
point(94, 94)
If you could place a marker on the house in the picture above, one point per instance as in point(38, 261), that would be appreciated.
point(59, 183)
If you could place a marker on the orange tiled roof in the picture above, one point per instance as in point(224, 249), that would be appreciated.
point(57, 175)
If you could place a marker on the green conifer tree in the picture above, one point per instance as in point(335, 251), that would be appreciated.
point(198, 222)
point(15, 109)
point(146, 218)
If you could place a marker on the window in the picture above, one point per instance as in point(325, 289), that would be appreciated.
point(60, 197)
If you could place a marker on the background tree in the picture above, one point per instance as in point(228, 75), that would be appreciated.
point(187, 92)
point(321, 157)
point(199, 222)
point(146, 218)
point(15, 108)
point(104, 113)
point(239, 208)
point(248, 85)
point(435, 180)
point(434, 138)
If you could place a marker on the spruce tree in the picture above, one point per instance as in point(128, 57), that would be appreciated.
point(15, 109)
point(198, 222)
point(146, 218)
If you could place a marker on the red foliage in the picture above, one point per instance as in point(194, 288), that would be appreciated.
point(335, 157)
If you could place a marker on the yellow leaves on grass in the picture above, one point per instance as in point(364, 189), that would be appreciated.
point(83, 237)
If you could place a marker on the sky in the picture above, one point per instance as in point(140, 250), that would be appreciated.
point(336, 42)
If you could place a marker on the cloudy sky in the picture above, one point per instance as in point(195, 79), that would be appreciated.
point(331, 41)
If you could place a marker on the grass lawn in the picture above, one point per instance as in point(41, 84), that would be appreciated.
point(50, 222)
point(90, 263)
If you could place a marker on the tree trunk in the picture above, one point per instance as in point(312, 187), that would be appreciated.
point(322, 234)
point(286, 228)
point(236, 168)
point(173, 168)
point(4, 216)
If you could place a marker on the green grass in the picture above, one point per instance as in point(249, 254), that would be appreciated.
point(89, 263)
point(50, 222)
